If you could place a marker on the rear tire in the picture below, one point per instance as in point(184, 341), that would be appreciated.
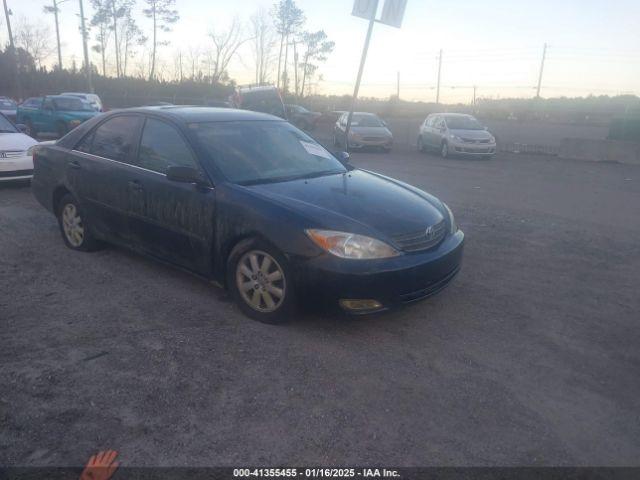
point(259, 279)
point(62, 129)
point(421, 147)
point(73, 226)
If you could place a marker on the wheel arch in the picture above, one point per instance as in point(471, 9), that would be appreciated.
point(58, 193)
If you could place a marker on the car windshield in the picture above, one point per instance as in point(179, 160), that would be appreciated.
point(264, 151)
point(6, 126)
point(69, 104)
point(463, 123)
point(7, 104)
point(366, 121)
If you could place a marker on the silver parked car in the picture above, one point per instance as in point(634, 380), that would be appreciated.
point(367, 130)
point(455, 134)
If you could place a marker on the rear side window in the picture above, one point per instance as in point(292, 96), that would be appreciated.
point(32, 103)
point(162, 146)
point(115, 138)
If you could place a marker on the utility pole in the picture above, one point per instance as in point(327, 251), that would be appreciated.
point(439, 72)
point(474, 95)
point(544, 57)
point(14, 54)
point(363, 59)
point(87, 66)
point(398, 87)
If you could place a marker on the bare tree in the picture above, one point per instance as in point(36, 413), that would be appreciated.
point(101, 20)
point(264, 41)
point(55, 10)
point(194, 56)
point(288, 19)
point(318, 47)
point(35, 39)
point(225, 47)
point(130, 36)
point(116, 11)
point(163, 15)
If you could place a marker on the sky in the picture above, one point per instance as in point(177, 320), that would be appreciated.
point(495, 45)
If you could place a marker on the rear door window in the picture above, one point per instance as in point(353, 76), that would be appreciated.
point(162, 146)
point(115, 139)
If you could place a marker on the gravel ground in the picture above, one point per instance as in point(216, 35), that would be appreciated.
point(529, 358)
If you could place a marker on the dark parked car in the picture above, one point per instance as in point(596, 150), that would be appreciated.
point(301, 117)
point(251, 202)
point(260, 98)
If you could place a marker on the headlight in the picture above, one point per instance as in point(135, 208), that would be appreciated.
point(351, 245)
point(75, 123)
point(452, 221)
point(455, 137)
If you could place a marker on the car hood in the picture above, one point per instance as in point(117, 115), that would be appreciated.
point(358, 202)
point(16, 141)
point(377, 131)
point(472, 134)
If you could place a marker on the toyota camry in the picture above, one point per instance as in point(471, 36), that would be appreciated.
point(252, 203)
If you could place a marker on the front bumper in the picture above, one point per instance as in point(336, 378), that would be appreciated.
point(18, 168)
point(391, 282)
point(465, 148)
point(364, 142)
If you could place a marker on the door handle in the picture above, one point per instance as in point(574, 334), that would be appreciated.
point(135, 185)
point(75, 165)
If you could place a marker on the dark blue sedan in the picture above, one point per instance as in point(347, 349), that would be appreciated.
point(252, 203)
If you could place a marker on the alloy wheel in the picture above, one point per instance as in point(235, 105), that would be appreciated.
point(260, 281)
point(72, 225)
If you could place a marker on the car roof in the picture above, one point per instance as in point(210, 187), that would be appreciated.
point(198, 114)
point(263, 88)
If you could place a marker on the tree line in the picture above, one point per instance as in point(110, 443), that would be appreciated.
point(283, 52)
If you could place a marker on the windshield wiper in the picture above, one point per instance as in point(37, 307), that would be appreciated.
point(289, 178)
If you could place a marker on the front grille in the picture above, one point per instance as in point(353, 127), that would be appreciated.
point(16, 173)
point(419, 241)
point(12, 154)
point(373, 139)
point(472, 140)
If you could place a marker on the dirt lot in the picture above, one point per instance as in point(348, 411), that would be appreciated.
point(530, 357)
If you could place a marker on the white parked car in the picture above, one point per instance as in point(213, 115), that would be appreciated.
point(16, 162)
point(455, 134)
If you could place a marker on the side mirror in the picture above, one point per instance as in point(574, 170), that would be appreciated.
point(343, 158)
point(486, 128)
point(22, 127)
point(184, 175)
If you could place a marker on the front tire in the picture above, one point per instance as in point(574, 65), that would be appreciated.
point(259, 280)
point(444, 150)
point(31, 130)
point(73, 226)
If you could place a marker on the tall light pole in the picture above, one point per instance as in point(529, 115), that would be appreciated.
point(87, 66)
point(544, 57)
point(7, 14)
point(55, 14)
point(363, 60)
point(439, 74)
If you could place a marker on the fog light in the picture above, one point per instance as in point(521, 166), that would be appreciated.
point(360, 305)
